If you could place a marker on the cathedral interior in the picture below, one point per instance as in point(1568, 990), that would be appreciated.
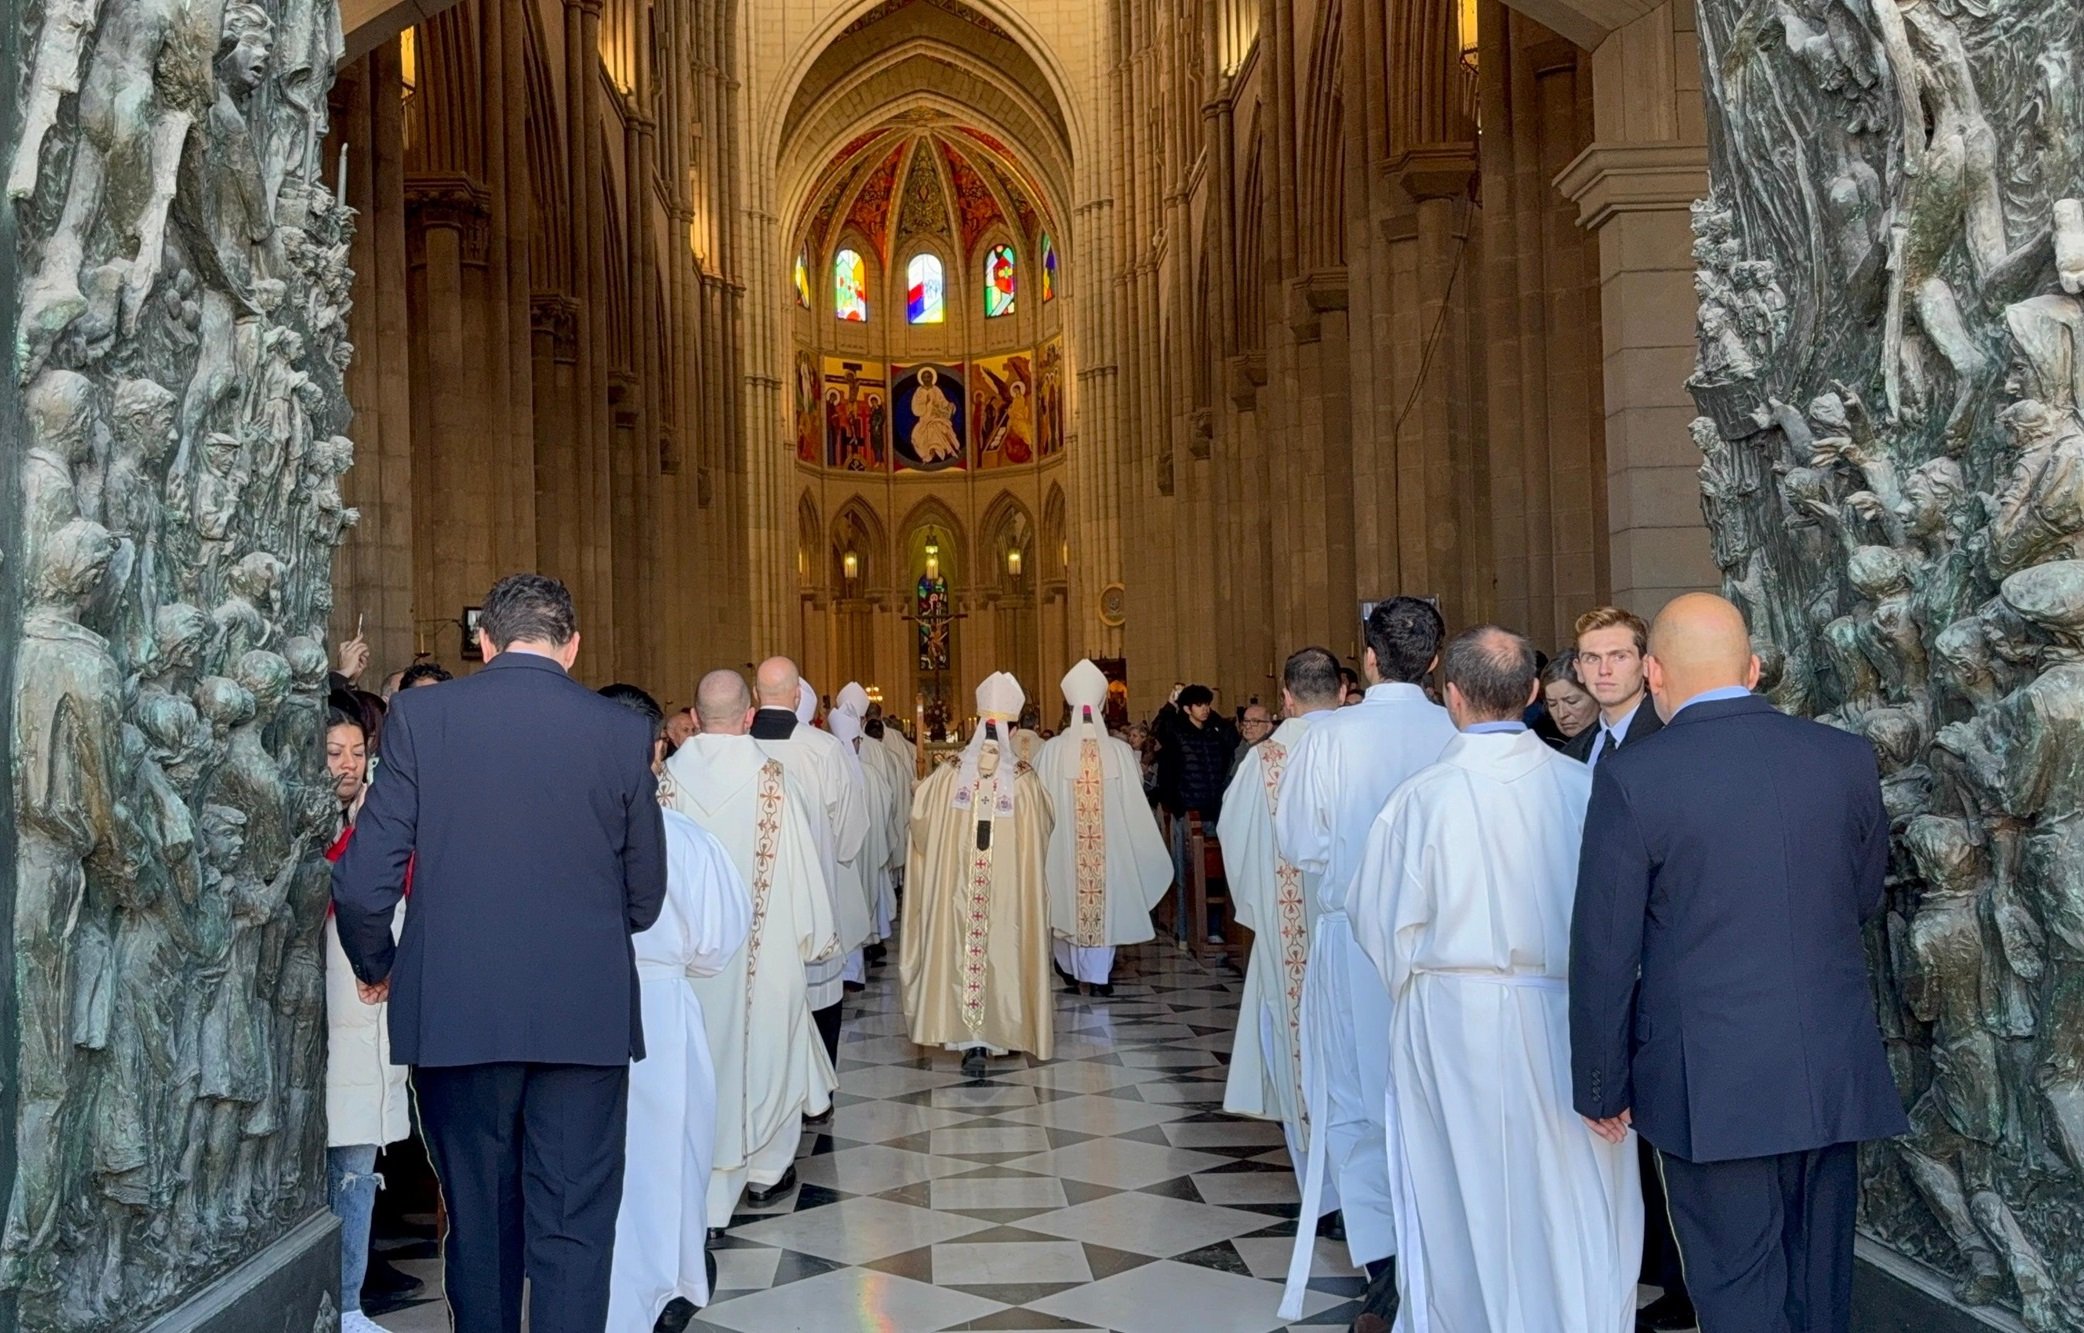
point(923, 339)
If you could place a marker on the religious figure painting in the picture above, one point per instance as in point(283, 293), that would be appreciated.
point(1004, 420)
point(856, 415)
point(930, 416)
point(808, 407)
point(1049, 397)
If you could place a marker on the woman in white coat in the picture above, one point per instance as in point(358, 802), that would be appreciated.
point(661, 1231)
point(366, 1101)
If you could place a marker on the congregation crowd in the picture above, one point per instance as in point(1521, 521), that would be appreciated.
point(1555, 983)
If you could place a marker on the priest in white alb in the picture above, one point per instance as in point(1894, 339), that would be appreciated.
point(1272, 897)
point(661, 1229)
point(1512, 1216)
point(828, 776)
point(1337, 781)
point(974, 964)
point(1107, 864)
point(771, 1069)
point(877, 756)
point(872, 866)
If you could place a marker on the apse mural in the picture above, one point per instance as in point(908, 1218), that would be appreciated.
point(856, 415)
point(925, 303)
point(1049, 398)
point(930, 416)
point(809, 407)
point(1048, 269)
point(1003, 417)
point(998, 282)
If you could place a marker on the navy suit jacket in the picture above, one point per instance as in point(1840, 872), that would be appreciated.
point(527, 806)
point(1718, 979)
point(1645, 724)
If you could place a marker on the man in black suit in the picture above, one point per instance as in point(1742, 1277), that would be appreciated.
point(1719, 996)
point(1610, 646)
point(526, 808)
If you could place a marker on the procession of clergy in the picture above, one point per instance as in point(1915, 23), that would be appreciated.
point(1358, 851)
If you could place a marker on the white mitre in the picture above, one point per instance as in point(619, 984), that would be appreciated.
point(806, 702)
point(1085, 689)
point(853, 699)
point(999, 700)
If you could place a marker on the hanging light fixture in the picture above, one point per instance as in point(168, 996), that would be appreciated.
point(1013, 561)
point(1466, 32)
point(933, 554)
point(850, 564)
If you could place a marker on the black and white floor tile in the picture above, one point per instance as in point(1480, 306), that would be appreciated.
point(1104, 1189)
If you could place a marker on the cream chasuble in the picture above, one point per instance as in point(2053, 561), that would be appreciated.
point(1107, 864)
point(974, 966)
point(1272, 899)
point(821, 766)
point(1511, 1215)
point(771, 1069)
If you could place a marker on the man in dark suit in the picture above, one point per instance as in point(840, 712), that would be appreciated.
point(1608, 661)
point(528, 810)
point(1611, 644)
point(1719, 996)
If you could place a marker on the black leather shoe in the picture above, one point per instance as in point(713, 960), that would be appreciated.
point(1104, 990)
point(973, 1062)
point(1667, 1314)
point(715, 1234)
point(674, 1318)
point(774, 1191)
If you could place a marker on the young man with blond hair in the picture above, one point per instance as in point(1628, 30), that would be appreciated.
point(1610, 644)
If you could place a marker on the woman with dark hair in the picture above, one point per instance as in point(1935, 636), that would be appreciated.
point(1568, 706)
point(366, 1100)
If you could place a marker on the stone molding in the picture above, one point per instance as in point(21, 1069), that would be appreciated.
point(1433, 171)
point(1246, 376)
point(455, 201)
point(558, 316)
point(1611, 178)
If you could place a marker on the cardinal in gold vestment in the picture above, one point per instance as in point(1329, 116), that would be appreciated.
point(974, 959)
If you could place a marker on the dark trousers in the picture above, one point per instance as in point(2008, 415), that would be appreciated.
point(827, 1020)
point(1661, 1266)
point(530, 1163)
point(1767, 1241)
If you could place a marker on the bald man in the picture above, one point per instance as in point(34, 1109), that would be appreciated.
point(826, 771)
point(1719, 996)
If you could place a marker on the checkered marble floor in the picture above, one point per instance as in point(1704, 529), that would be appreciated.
point(1103, 1189)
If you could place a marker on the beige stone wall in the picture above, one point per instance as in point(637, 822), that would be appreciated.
point(547, 330)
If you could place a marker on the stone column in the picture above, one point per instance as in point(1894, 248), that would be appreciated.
point(1633, 187)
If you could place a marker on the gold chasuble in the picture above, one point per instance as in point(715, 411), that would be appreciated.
point(975, 943)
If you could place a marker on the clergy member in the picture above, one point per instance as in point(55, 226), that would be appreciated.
point(661, 1253)
point(894, 740)
point(1337, 781)
point(1273, 902)
point(820, 765)
point(1512, 1215)
point(974, 966)
point(872, 866)
point(876, 753)
point(771, 1069)
point(1107, 864)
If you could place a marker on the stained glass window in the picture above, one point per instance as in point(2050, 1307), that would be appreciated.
point(998, 282)
point(1048, 269)
point(802, 280)
point(924, 302)
point(850, 287)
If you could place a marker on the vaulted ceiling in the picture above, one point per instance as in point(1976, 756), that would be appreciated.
point(923, 179)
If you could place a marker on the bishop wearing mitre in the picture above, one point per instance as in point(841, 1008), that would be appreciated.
point(974, 964)
point(872, 863)
point(1107, 864)
point(898, 780)
point(771, 1069)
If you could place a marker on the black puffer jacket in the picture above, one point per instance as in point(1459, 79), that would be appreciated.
point(1193, 766)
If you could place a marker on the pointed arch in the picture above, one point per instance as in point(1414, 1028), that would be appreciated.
point(932, 516)
point(1008, 540)
point(1056, 538)
point(857, 528)
point(809, 542)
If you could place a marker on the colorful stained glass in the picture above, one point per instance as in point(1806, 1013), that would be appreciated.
point(1048, 269)
point(850, 287)
point(802, 281)
point(924, 303)
point(998, 282)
